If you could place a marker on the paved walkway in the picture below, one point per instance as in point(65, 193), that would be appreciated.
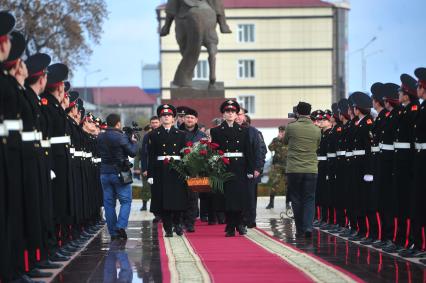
point(139, 259)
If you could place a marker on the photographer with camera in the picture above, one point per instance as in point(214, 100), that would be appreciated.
point(115, 147)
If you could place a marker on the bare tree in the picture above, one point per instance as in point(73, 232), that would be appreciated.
point(61, 28)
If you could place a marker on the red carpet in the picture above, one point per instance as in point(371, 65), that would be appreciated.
point(163, 255)
point(238, 259)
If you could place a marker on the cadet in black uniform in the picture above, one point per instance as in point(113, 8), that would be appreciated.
point(388, 205)
point(60, 140)
point(349, 184)
point(169, 193)
point(377, 91)
point(415, 201)
point(342, 220)
point(403, 160)
point(332, 165)
point(322, 193)
point(7, 23)
point(362, 166)
point(35, 85)
point(31, 190)
point(419, 193)
point(233, 140)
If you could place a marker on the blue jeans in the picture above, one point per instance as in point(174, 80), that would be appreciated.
point(302, 194)
point(113, 189)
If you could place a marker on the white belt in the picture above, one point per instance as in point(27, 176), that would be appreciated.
point(349, 154)
point(358, 152)
point(233, 154)
point(384, 146)
point(60, 140)
point(45, 143)
point(175, 157)
point(404, 145)
point(331, 155)
point(420, 146)
point(89, 155)
point(97, 160)
point(78, 153)
point(340, 153)
point(39, 136)
point(375, 149)
point(72, 150)
point(322, 158)
point(30, 136)
point(3, 130)
point(13, 125)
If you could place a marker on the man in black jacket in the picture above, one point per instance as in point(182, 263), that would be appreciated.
point(258, 154)
point(193, 135)
point(114, 148)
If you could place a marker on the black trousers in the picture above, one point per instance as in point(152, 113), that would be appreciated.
point(233, 220)
point(250, 212)
point(170, 219)
point(192, 210)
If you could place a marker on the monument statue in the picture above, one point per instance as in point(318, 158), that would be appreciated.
point(195, 22)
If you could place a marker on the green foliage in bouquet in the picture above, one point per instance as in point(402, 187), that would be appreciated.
point(203, 159)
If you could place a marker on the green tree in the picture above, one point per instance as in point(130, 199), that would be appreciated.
point(60, 28)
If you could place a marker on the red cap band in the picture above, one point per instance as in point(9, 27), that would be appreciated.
point(9, 64)
point(230, 107)
point(72, 104)
point(167, 110)
point(407, 89)
point(38, 74)
point(55, 85)
point(4, 38)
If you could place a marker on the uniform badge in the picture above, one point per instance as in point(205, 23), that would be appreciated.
point(44, 101)
point(339, 129)
point(387, 114)
point(414, 108)
point(369, 122)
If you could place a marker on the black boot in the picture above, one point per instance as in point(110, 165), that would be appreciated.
point(271, 202)
point(144, 202)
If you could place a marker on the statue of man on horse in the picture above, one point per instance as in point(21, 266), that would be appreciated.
point(195, 22)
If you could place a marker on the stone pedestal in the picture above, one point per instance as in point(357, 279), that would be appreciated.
point(199, 89)
point(206, 100)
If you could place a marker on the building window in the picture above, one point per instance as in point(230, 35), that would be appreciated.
point(246, 33)
point(246, 69)
point(201, 71)
point(248, 103)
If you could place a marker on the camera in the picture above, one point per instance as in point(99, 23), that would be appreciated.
point(133, 130)
point(293, 114)
point(126, 165)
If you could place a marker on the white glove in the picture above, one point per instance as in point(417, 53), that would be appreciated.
point(250, 176)
point(368, 178)
point(52, 175)
point(150, 181)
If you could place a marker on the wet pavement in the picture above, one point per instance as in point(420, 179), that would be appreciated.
point(138, 258)
point(134, 260)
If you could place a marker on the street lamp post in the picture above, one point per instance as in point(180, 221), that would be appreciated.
point(85, 81)
point(98, 96)
point(364, 63)
point(364, 66)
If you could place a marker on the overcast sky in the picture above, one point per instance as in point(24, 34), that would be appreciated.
point(130, 39)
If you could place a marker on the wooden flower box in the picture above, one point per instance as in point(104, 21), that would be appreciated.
point(199, 185)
